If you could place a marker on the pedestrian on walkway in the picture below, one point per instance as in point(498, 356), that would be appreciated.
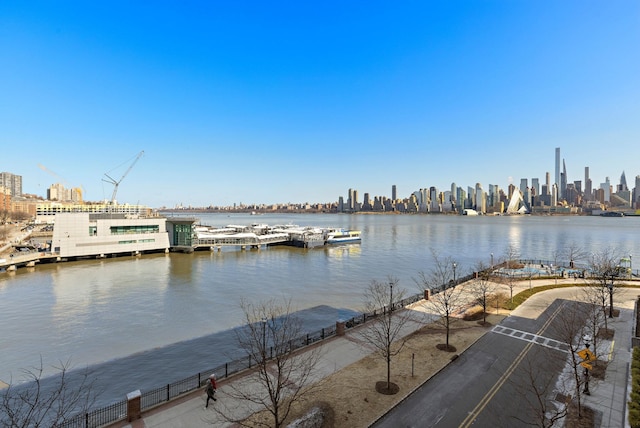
point(212, 386)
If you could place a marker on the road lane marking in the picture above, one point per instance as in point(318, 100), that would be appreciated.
point(531, 337)
point(496, 387)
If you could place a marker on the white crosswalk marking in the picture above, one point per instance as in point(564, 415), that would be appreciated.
point(531, 337)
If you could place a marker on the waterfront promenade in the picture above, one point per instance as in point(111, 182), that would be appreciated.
point(340, 353)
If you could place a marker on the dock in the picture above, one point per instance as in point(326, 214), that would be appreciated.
point(258, 235)
point(196, 238)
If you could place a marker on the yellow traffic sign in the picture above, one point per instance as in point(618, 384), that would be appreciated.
point(586, 355)
point(586, 365)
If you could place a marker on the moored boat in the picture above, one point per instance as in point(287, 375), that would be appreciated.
point(343, 236)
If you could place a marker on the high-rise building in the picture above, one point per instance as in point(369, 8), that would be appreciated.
point(394, 195)
point(524, 184)
point(548, 182)
point(606, 189)
point(563, 181)
point(587, 185)
point(480, 199)
point(12, 182)
point(557, 183)
point(535, 185)
point(623, 183)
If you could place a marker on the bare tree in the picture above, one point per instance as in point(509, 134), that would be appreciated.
point(592, 298)
point(383, 332)
point(574, 253)
point(536, 388)
point(482, 288)
point(445, 300)
point(282, 376)
point(569, 328)
point(603, 274)
point(511, 256)
point(44, 402)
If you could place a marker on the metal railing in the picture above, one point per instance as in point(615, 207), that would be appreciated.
point(118, 411)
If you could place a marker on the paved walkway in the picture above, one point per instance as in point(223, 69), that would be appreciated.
point(609, 396)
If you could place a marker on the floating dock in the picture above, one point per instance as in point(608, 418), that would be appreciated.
point(258, 235)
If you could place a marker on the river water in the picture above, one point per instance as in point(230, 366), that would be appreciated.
point(144, 322)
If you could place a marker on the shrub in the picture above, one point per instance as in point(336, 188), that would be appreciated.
point(634, 402)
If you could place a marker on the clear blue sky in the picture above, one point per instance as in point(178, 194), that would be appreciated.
point(263, 102)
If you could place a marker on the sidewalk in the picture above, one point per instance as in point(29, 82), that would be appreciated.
point(189, 411)
point(608, 396)
point(611, 395)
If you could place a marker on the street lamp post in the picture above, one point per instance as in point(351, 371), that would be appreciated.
point(264, 339)
point(455, 265)
point(587, 343)
point(630, 267)
point(610, 287)
point(390, 297)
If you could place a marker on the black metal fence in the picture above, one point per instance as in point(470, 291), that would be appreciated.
point(118, 411)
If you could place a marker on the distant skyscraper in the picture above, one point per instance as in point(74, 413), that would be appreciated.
point(480, 200)
point(524, 183)
point(535, 184)
point(563, 180)
point(606, 188)
point(548, 182)
point(587, 184)
point(394, 195)
point(557, 183)
point(623, 183)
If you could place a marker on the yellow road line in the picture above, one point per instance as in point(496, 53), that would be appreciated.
point(613, 342)
point(496, 387)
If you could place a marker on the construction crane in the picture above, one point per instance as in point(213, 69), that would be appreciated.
point(116, 183)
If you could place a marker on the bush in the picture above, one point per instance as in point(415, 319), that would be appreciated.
point(634, 402)
point(473, 314)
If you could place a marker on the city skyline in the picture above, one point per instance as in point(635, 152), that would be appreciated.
point(249, 103)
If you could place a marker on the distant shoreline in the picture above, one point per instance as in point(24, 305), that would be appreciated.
point(262, 212)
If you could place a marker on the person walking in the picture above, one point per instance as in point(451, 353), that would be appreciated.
point(212, 386)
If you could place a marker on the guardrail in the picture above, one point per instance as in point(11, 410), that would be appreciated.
point(118, 411)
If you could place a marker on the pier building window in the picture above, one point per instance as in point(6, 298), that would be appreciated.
point(183, 234)
point(93, 230)
point(125, 230)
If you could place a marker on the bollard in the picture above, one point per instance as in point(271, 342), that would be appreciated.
point(426, 294)
point(340, 328)
point(134, 405)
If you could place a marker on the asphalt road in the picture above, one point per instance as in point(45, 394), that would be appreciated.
point(490, 383)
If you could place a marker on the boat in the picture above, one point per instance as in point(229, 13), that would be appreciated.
point(343, 236)
point(612, 214)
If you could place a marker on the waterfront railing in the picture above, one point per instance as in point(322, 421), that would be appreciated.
point(149, 399)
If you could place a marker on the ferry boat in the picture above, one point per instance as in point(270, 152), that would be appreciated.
point(343, 236)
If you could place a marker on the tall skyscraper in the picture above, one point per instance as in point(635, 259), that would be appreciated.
point(394, 195)
point(563, 181)
point(587, 184)
point(623, 183)
point(524, 184)
point(606, 188)
point(557, 183)
point(548, 183)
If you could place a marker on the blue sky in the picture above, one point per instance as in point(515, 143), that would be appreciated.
point(264, 102)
